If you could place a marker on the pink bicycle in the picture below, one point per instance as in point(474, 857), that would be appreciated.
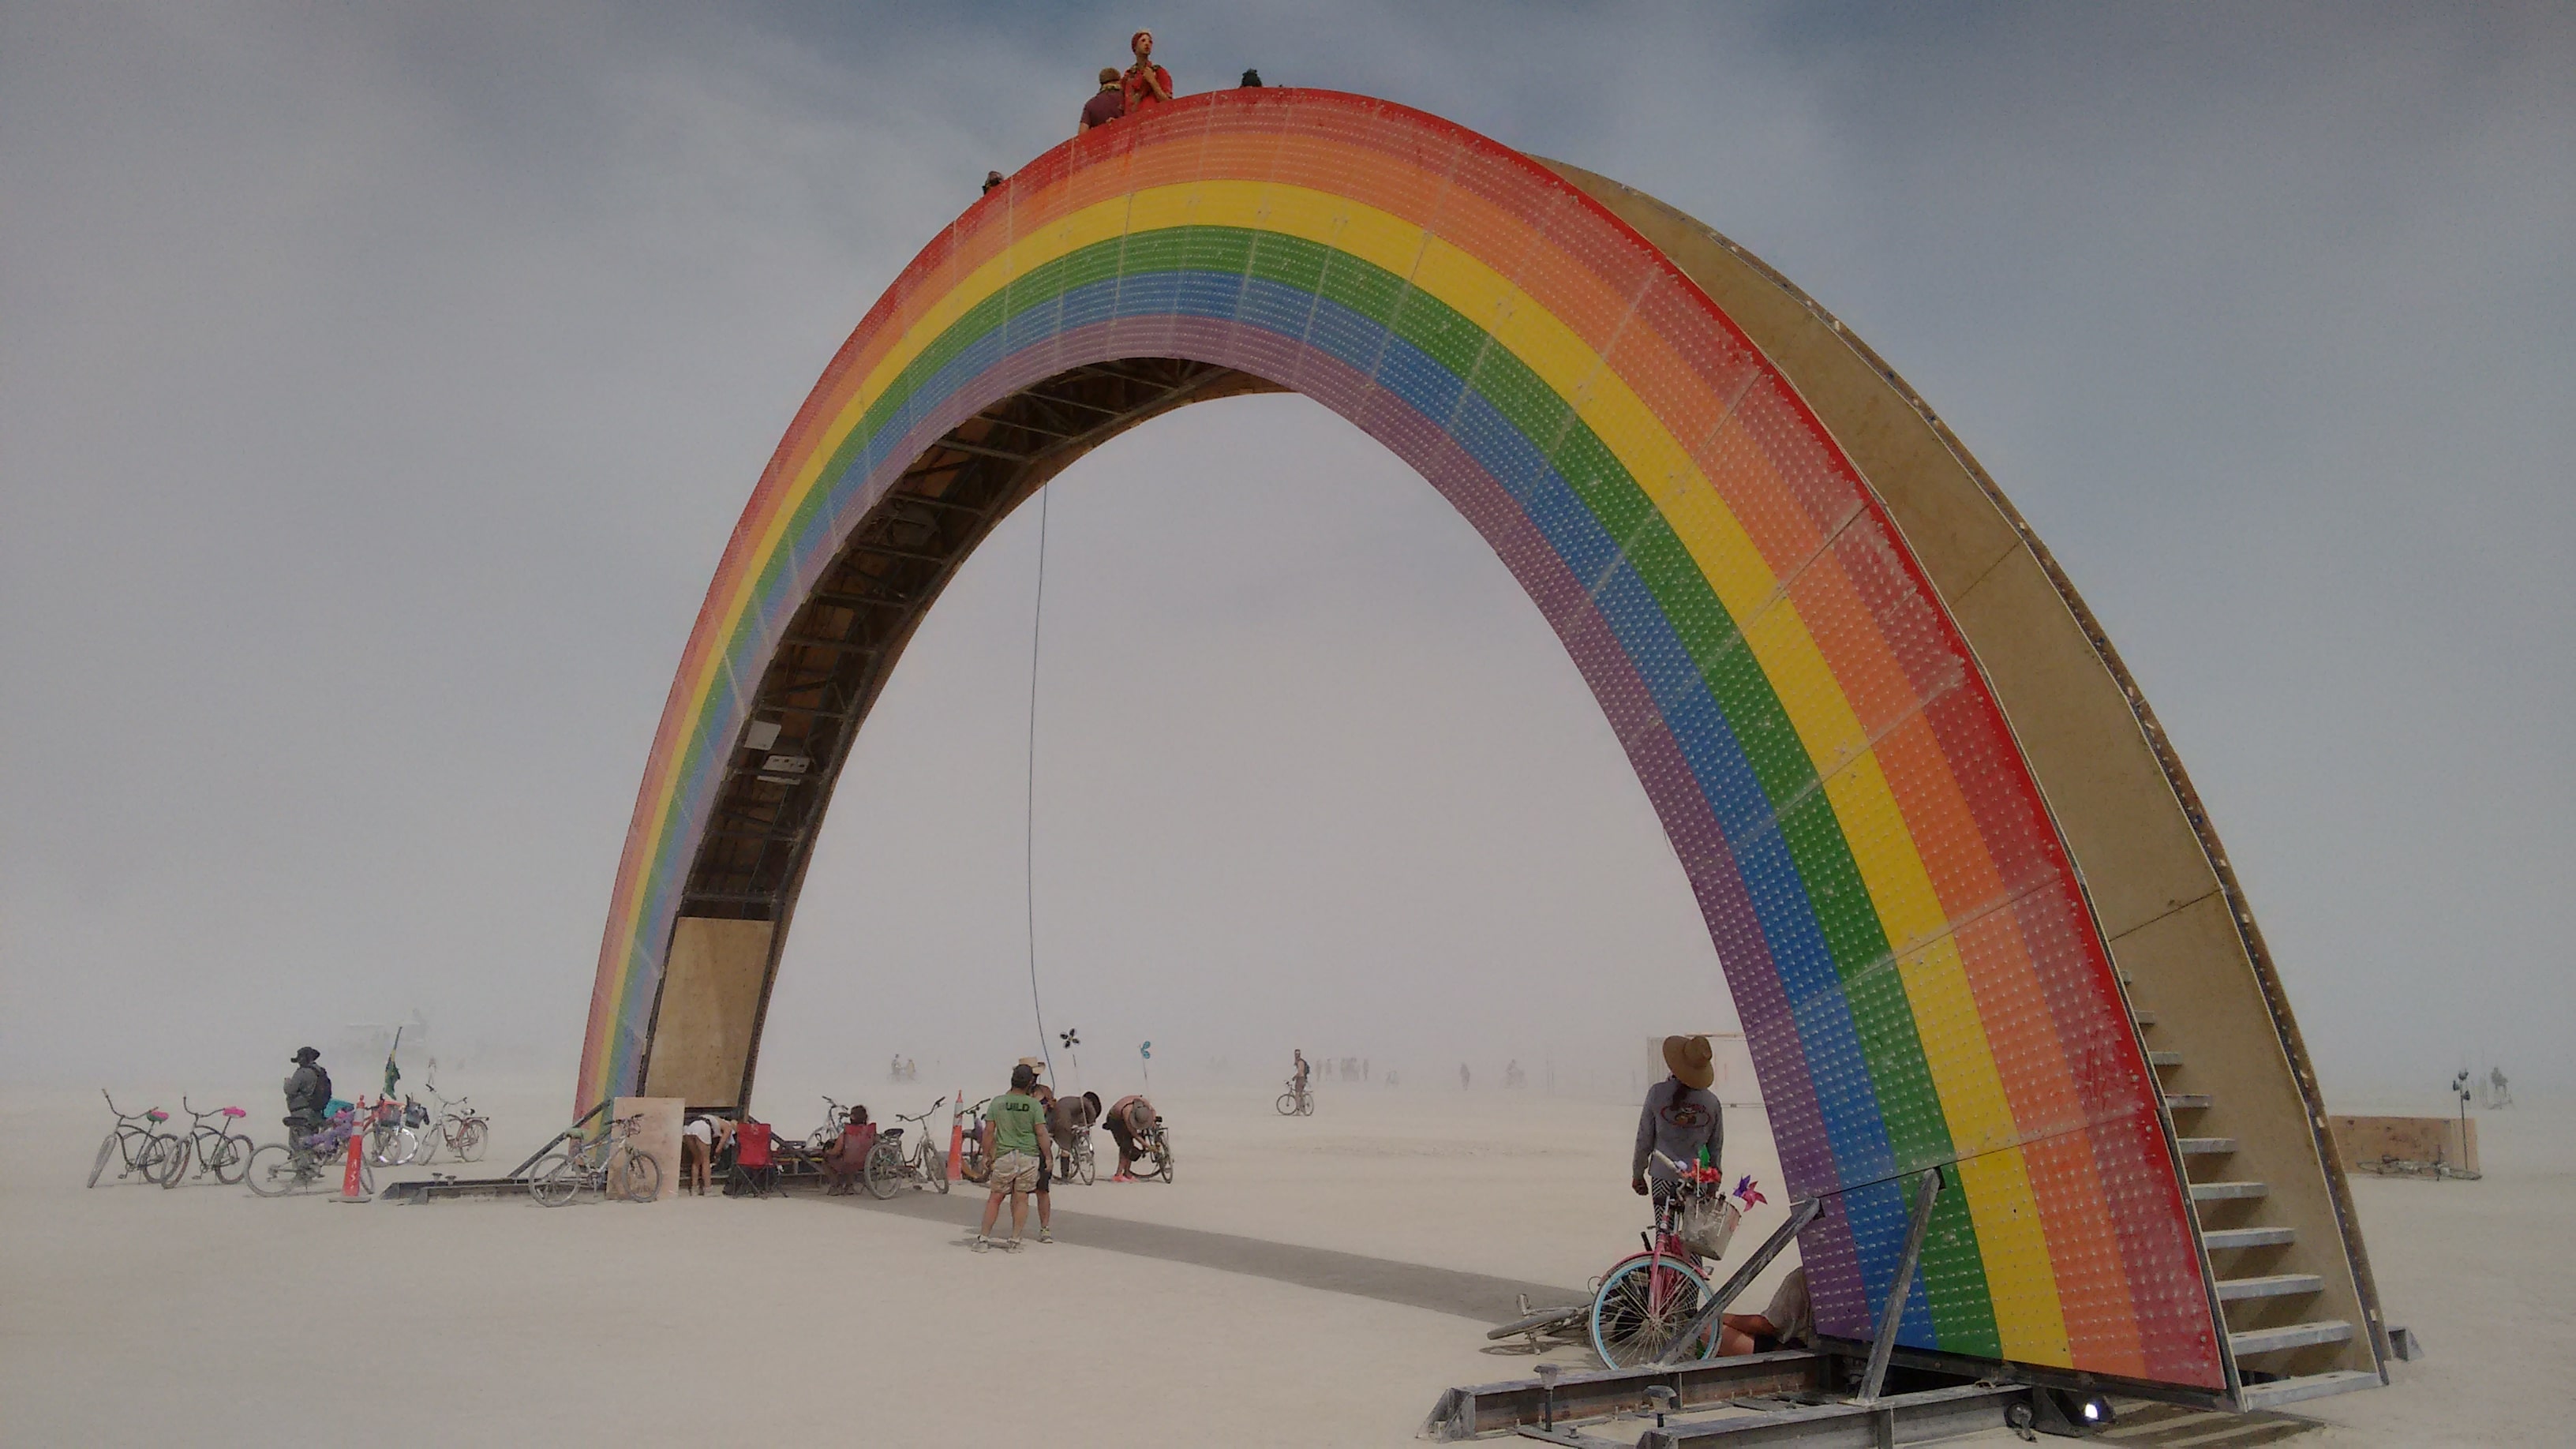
point(1648, 1298)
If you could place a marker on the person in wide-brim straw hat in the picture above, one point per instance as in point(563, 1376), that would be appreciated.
point(1681, 1119)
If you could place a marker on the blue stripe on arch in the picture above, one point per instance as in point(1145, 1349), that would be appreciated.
point(1835, 1060)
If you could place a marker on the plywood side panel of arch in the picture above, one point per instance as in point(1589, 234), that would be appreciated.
point(2160, 885)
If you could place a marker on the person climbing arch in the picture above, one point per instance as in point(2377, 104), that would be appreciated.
point(1145, 84)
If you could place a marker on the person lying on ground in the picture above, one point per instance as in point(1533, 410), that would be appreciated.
point(1015, 1142)
point(1129, 1119)
point(1790, 1321)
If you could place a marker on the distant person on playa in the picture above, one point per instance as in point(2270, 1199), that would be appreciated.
point(1145, 85)
point(1463, 1077)
point(1129, 1119)
point(308, 1093)
point(1297, 1070)
point(1106, 104)
point(1068, 1122)
point(1015, 1142)
point(1680, 1118)
point(846, 1160)
point(1789, 1322)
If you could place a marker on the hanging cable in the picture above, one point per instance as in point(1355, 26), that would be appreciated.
point(1029, 814)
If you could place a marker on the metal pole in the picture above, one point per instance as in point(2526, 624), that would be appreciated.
point(1927, 1187)
point(1801, 1212)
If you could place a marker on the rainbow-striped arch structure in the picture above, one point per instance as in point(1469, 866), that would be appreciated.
point(1966, 903)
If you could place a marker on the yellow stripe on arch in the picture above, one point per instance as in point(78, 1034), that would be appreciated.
point(1783, 646)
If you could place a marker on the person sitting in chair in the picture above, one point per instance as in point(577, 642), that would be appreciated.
point(1790, 1321)
point(846, 1160)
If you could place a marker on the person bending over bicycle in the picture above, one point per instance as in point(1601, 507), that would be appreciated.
point(1681, 1118)
point(1129, 1119)
point(308, 1094)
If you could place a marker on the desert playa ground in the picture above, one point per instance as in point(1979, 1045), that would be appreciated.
point(1303, 1282)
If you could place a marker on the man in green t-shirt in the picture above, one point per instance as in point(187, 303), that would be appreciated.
point(1015, 1142)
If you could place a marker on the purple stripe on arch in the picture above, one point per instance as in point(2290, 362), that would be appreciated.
point(1796, 1116)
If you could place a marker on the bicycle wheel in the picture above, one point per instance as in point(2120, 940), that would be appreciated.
point(1287, 1104)
point(934, 1168)
point(1642, 1304)
point(884, 1171)
point(270, 1170)
point(1086, 1164)
point(106, 1150)
point(555, 1182)
point(1163, 1155)
point(174, 1163)
point(229, 1158)
point(159, 1156)
point(643, 1177)
point(469, 1139)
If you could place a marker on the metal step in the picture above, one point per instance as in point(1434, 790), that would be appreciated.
point(2270, 1285)
point(2289, 1335)
point(2307, 1386)
point(2187, 1101)
point(2228, 1191)
point(2144, 1016)
point(2225, 1239)
point(2208, 1146)
point(2164, 1059)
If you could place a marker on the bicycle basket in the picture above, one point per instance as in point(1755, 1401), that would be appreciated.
point(1705, 1225)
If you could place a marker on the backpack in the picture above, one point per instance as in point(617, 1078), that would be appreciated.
point(321, 1087)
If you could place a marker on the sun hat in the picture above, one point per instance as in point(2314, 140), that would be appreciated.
point(1692, 1060)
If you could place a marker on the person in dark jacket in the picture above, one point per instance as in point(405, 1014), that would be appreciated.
point(308, 1092)
point(1680, 1118)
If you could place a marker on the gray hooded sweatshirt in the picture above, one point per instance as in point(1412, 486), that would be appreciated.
point(1677, 1122)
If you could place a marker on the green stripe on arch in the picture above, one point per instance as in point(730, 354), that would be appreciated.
point(1855, 939)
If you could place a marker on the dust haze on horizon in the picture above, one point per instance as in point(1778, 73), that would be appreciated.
point(377, 392)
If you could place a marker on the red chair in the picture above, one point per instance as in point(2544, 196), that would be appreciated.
point(755, 1169)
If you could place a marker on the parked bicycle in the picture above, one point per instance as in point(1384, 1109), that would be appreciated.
point(890, 1167)
point(213, 1144)
point(1297, 1101)
point(459, 1129)
point(835, 1117)
point(139, 1146)
point(609, 1164)
point(1647, 1298)
point(307, 1160)
point(394, 1134)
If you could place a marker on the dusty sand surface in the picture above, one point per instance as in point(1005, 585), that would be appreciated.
point(204, 1315)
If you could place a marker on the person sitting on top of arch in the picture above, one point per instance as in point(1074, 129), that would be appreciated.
point(1145, 84)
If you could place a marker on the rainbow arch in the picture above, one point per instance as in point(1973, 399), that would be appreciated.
point(1919, 971)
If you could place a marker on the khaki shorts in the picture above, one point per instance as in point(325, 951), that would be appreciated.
point(1014, 1172)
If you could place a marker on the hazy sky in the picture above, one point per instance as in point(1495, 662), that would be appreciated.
point(377, 391)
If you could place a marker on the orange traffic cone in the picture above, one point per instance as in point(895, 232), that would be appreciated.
point(957, 1137)
point(353, 1180)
